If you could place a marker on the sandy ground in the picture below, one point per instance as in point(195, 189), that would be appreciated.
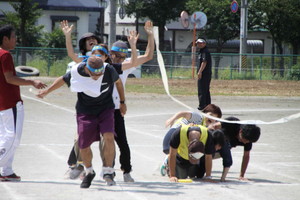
point(50, 127)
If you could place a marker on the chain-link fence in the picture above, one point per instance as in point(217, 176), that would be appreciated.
point(54, 62)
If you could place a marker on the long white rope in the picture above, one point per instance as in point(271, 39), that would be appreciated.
point(166, 86)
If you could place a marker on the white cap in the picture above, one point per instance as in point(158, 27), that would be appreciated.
point(200, 41)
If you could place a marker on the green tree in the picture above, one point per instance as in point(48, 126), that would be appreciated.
point(24, 19)
point(282, 19)
point(159, 11)
point(28, 33)
point(55, 39)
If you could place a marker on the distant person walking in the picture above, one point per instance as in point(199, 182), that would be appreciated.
point(204, 74)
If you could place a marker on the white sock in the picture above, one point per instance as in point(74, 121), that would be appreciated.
point(89, 170)
point(108, 170)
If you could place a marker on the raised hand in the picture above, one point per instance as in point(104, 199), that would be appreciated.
point(132, 38)
point(67, 30)
point(149, 27)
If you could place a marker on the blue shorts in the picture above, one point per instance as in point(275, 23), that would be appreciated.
point(89, 127)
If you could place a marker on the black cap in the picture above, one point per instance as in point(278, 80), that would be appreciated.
point(82, 41)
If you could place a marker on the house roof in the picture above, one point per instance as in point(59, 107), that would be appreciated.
point(70, 5)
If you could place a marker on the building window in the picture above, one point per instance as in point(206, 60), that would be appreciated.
point(72, 20)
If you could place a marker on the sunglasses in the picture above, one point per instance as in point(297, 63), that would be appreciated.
point(196, 155)
point(119, 56)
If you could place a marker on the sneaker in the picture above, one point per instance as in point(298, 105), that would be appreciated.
point(1, 178)
point(87, 181)
point(109, 178)
point(127, 178)
point(13, 177)
point(82, 175)
point(164, 169)
point(76, 171)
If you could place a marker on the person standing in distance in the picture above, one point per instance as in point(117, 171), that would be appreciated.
point(204, 74)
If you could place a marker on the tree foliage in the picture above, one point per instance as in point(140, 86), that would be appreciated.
point(55, 39)
point(282, 19)
point(24, 19)
point(159, 11)
point(222, 24)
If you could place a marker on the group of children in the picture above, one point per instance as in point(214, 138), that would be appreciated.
point(194, 140)
point(98, 77)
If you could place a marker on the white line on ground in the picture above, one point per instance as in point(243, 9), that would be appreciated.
point(11, 192)
point(50, 123)
point(144, 133)
point(52, 152)
point(49, 104)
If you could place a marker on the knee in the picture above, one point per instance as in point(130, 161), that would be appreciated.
point(109, 137)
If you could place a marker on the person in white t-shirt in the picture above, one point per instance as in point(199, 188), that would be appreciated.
point(118, 54)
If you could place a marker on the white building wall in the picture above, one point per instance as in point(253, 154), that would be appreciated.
point(82, 23)
point(6, 7)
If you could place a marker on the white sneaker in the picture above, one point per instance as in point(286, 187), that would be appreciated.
point(76, 171)
point(109, 179)
point(164, 169)
point(127, 178)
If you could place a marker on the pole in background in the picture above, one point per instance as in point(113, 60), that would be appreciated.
point(112, 23)
point(243, 35)
point(194, 48)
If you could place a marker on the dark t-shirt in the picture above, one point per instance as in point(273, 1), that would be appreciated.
point(9, 93)
point(205, 56)
point(235, 142)
point(95, 105)
point(175, 141)
point(231, 132)
point(118, 67)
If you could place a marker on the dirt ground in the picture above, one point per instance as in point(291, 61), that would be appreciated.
point(221, 87)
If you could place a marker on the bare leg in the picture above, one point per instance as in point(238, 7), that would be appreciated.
point(87, 156)
point(109, 149)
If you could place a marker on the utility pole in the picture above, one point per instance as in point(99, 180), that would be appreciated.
point(112, 22)
point(243, 34)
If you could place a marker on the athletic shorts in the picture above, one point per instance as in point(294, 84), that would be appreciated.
point(89, 127)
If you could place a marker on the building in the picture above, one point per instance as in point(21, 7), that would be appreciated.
point(86, 14)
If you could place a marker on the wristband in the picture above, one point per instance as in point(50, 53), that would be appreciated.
point(122, 102)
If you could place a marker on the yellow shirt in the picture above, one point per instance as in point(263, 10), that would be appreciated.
point(184, 140)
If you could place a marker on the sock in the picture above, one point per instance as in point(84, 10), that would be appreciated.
point(89, 170)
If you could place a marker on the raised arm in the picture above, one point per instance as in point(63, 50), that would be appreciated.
point(150, 46)
point(67, 30)
point(132, 39)
point(149, 50)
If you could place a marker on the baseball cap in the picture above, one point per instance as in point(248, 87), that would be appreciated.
point(200, 41)
point(83, 39)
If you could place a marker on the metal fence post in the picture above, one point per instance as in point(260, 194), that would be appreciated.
point(231, 66)
point(260, 68)
point(49, 62)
